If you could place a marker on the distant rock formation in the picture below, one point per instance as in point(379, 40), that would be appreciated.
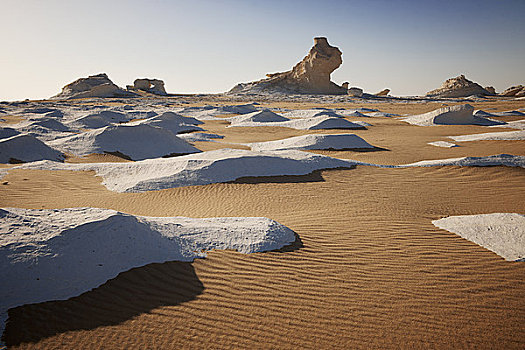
point(310, 76)
point(458, 87)
point(384, 92)
point(154, 86)
point(491, 90)
point(355, 92)
point(93, 86)
point(514, 91)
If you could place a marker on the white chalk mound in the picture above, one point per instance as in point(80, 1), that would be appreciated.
point(8, 132)
point(315, 123)
point(137, 142)
point(264, 116)
point(200, 169)
point(501, 136)
point(453, 115)
point(209, 112)
point(311, 113)
point(26, 148)
point(502, 233)
point(57, 254)
point(495, 160)
point(173, 122)
point(328, 142)
point(100, 119)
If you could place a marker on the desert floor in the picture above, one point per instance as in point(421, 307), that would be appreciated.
point(368, 270)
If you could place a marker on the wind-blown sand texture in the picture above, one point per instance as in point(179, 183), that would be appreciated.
point(368, 270)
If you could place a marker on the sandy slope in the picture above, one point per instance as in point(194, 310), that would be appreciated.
point(370, 269)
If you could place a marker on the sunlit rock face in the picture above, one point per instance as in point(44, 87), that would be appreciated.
point(310, 76)
point(154, 86)
point(514, 91)
point(458, 87)
point(93, 86)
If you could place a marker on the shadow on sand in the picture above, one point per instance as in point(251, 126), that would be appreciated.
point(315, 176)
point(134, 292)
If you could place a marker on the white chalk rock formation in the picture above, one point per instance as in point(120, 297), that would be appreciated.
point(502, 233)
point(134, 141)
point(57, 254)
point(99, 120)
point(314, 123)
point(93, 86)
point(306, 142)
point(443, 144)
point(200, 136)
point(199, 169)
point(26, 148)
point(458, 87)
point(495, 160)
point(8, 132)
point(492, 136)
point(173, 122)
point(452, 115)
point(310, 76)
point(514, 91)
point(154, 86)
point(311, 113)
point(264, 116)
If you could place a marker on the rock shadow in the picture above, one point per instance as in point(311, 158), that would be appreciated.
point(315, 176)
point(296, 245)
point(128, 295)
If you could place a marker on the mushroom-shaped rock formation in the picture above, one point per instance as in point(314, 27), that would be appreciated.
point(310, 76)
point(154, 86)
point(514, 91)
point(458, 87)
point(93, 86)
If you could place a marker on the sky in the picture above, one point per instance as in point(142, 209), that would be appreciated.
point(203, 46)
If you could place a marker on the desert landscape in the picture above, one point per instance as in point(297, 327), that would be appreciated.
point(288, 212)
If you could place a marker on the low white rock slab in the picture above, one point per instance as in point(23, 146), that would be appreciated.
point(199, 169)
point(498, 136)
point(320, 142)
point(502, 233)
point(443, 144)
point(495, 160)
point(57, 254)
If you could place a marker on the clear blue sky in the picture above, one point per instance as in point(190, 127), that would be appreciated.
point(209, 46)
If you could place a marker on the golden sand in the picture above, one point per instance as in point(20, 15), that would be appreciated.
point(369, 270)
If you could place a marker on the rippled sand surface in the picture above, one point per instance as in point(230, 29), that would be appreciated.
point(369, 270)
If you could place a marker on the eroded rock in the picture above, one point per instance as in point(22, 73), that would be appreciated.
point(93, 86)
point(310, 76)
point(154, 86)
point(384, 92)
point(355, 92)
point(458, 87)
point(514, 91)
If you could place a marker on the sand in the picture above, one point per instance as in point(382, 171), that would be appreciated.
point(369, 270)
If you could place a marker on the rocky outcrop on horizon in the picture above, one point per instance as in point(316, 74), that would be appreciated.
point(93, 86)
point(310, 76)
point(384, 92)
point(514, 91)
point(458, 87)
point(153, 86)
point(355, 92)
